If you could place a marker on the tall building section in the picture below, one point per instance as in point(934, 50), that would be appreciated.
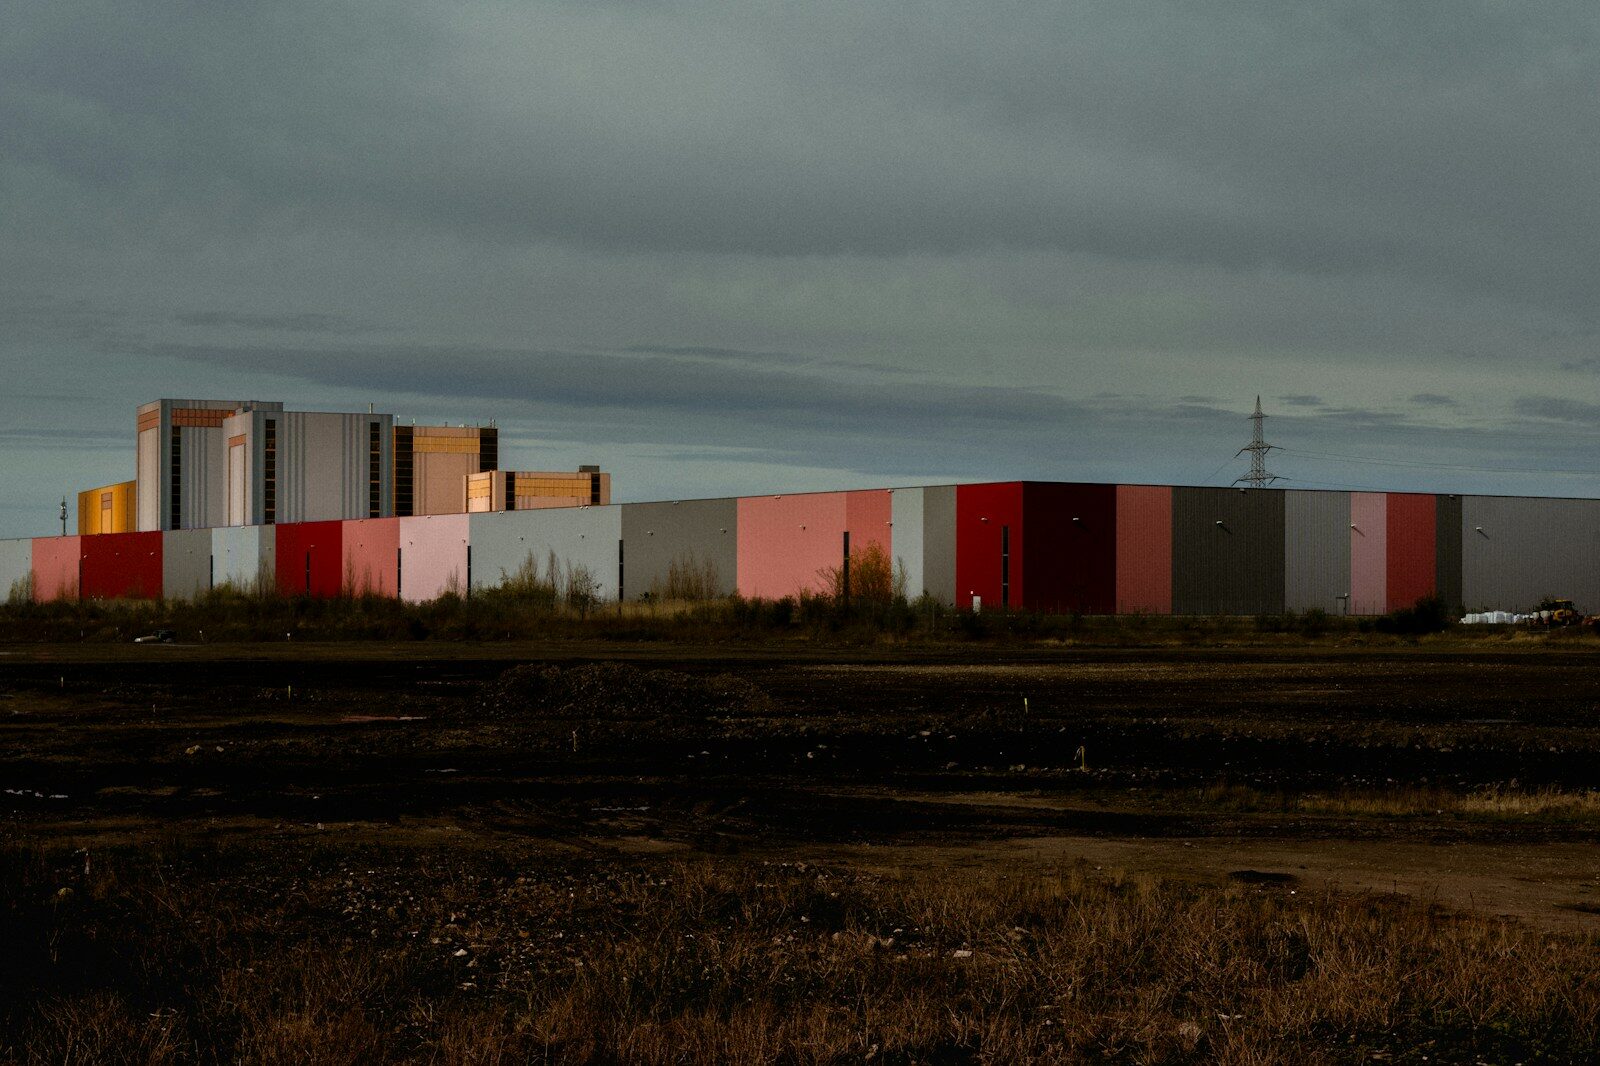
point(432, 464)
point(182, 462)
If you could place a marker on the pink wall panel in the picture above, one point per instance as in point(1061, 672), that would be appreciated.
point(868, 516)
point(1144, 549)
point(785, 540)
point(370, 557)
point(1369, 552)
point(56, 562)
point(1411, 571)
point(433, 556)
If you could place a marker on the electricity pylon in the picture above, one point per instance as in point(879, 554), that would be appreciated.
point(1258, 448)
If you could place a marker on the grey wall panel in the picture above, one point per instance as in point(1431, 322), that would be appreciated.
point(242, 556)
point(16, 565)
point(939, 542)
point(1447, 551)
point(1227, 551)
point(906, 536)
point(147, 452)
point(185, 563)
point(1516, 550)
point(203, 479)
point(504, 542)
point(323, 466)
point(1316, 550)
point(659, 534)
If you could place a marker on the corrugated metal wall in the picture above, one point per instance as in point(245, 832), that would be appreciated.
point(1144, 549)
point(689, 532)
point(1316, 551)
point(121, 566)
point(185, 563)
point(1515, 551)
point(506, 543)
point(324, 466)
point(1227, 551)
point(57, 567)
point(1447, 551)
point(372, 557)
point(244, 557)
point(1369, 552)
point(1071, 533)
point(869, 516)
point(433, 556)
point(939, 542)
point(309, 558)
point(16, 570)
point(1412, 541)
point(989, 548)
point(785, 541)
point(906, 543)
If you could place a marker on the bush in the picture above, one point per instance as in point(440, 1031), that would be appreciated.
point(1427, 615)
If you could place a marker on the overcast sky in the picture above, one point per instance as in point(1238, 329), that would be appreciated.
point(741, 247)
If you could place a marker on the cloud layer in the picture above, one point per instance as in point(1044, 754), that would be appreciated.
point(830, 242)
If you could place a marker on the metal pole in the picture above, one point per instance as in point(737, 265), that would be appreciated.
point(846, 571)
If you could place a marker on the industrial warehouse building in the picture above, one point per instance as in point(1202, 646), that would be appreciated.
point(200, 464)
point(1047, 546)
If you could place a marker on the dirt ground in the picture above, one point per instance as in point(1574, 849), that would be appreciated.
point(1276, 769)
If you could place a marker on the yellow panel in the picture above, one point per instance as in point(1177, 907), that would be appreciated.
point(108, 509)
point(456, 445)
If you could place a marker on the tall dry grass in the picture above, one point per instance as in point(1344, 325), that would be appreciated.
point(356, 959)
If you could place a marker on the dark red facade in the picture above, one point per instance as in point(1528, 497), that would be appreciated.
point(310, 558)
point(1072, 547)
point(1069, 532)
point(1412, 563)
point(989, 545)
point(121, 566)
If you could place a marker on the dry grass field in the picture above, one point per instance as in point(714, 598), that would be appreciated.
point(1315, 851)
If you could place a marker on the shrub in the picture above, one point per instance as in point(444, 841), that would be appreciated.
point(1427, 615)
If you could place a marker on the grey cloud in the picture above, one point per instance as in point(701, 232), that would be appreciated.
point(1559, 409)
point(1432, 399)
point(1239, 135)
point(1301, 401)
point(303, 322)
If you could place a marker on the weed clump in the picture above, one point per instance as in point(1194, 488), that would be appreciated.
point(605, 691)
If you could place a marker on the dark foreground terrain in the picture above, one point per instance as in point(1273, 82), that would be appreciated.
point(674, 854)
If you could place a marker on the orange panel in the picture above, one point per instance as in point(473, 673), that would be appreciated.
point(1144, 549)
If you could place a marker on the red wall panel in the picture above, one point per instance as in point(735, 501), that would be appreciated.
point(785, 540)
point(1144, 549)
point(1072, 547)
point(122, 566)
point(56, 563)
point(371, 557)
point(984, 514)
point(1411, 570)
point(310, 558)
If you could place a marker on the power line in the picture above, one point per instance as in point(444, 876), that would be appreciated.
point(1338, 457)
